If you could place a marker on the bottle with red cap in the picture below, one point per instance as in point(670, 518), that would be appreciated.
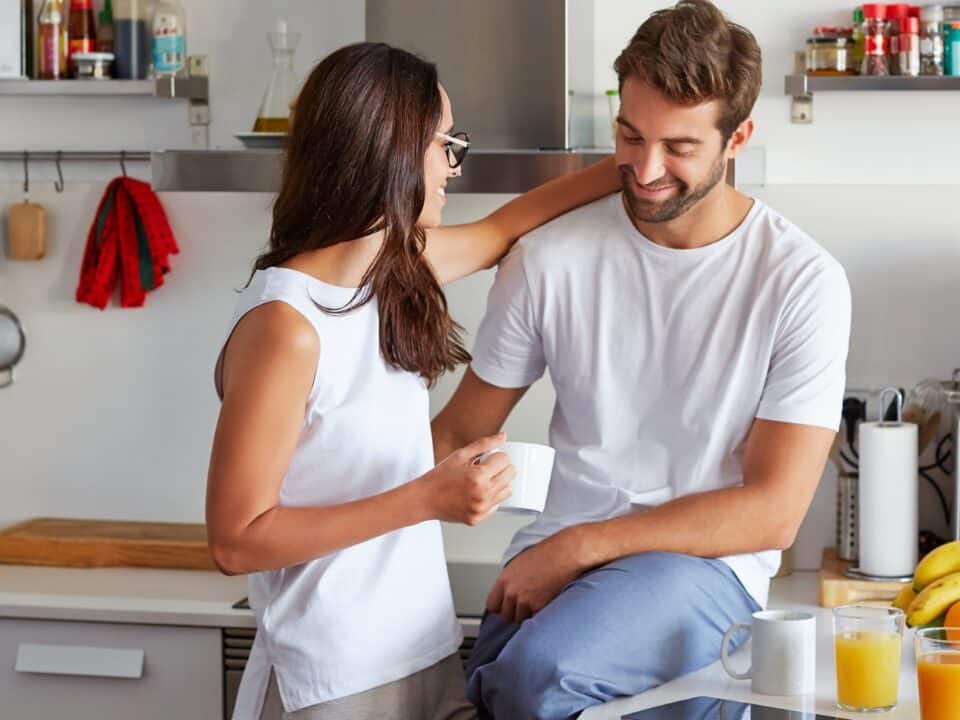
point(908, 47)
point(875, 40)
point(896, 14)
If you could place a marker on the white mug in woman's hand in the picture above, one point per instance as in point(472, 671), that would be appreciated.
point(534, 465)
point(782, 652)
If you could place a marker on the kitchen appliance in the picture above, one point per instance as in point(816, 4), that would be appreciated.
point(13, 343)
point(519, 73)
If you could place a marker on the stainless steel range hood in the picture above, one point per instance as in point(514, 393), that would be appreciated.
point(520, 75)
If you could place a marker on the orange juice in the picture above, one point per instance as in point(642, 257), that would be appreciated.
point(868, 669)
point(938, 677)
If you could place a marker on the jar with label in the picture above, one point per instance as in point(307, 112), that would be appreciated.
point(51, 41)
point(908, 55)
point(81, 33)
point(896, 12)
point(829, 52)
point(951, 49)
point(875, 40)
point(168, 42)
point(931, 40)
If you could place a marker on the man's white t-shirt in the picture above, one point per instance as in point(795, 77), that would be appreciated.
point(662, 358)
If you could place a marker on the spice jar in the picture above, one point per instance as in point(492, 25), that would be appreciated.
point(908, 47)
point(931, 40)
point(829, 52)
point(895, 13)
point(875, 40)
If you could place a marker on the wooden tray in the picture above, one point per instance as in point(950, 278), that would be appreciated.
point(67, 542)
point(838, 589)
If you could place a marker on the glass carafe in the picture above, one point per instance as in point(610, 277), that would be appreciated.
point(274, 113)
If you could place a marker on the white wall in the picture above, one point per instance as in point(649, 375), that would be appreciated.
point(112, 412)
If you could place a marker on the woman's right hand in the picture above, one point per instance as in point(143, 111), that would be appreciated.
point(462, 490)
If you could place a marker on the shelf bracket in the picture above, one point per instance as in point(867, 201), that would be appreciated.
point(801, 104)
point(199, 108)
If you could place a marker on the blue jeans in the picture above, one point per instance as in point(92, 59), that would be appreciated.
point(617, 630)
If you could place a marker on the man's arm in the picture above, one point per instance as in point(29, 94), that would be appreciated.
point(475, 405)
point(782, 466)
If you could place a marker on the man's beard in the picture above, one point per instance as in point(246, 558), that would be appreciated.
point(653, 212)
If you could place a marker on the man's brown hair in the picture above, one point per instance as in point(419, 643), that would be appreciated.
point(692, 54)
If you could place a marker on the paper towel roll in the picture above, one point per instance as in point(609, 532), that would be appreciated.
point(888, 521)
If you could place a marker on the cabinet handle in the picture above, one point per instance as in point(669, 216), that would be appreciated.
point(79, 660)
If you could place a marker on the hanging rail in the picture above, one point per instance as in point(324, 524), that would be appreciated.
point(88, 155)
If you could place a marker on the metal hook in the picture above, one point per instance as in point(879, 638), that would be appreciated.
point(26, 173)
point(123, 166)
point(883, 405)
point(58, 184)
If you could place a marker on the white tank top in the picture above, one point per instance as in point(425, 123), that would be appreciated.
point(374, 612)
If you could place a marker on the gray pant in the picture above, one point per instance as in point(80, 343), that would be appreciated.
point(436, 693)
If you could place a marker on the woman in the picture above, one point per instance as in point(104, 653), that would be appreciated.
point(321, 481)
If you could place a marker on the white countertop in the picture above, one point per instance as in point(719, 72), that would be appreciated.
point(128, 595)
point(202, 598)
point(797, 591)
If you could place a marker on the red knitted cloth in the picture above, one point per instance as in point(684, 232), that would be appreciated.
point(129, 240)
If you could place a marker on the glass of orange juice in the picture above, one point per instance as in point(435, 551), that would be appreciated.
point(938, 672)
point(867, 644)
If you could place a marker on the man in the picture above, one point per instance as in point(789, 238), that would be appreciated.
point(696, 341)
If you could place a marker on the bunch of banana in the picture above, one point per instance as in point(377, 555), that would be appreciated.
point(936, 587)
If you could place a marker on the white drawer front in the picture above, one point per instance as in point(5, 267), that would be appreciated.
point(92, 671)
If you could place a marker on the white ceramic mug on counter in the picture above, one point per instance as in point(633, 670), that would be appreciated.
point(534, 465)
point(783, 652)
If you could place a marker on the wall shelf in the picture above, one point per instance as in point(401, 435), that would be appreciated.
point(195, 89)
point(801, 88)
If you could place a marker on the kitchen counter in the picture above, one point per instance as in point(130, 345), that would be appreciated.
point(201, 598)
point(144, 596)
point(798, 591)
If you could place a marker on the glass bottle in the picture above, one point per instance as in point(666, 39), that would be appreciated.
point(857, 39)
point(51, 41)
point(168, 42)
point(908, 55)
point(875, 40)
point(274, 112)
point(81, 33)
point(895, 14)
point(105, 28)
point(131, 42)
point(931, 40)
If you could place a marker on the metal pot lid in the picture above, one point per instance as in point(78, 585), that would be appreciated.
point(13, 341)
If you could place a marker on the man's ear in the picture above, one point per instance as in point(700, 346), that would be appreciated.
point(739, 139)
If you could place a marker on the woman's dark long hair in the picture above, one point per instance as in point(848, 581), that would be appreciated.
point(354, 164)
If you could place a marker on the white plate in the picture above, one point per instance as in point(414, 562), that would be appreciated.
point(260, 140)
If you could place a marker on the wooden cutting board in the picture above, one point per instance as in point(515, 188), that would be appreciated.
point(838, 589)
point(68, 542)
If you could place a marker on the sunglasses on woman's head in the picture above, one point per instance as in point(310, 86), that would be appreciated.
point(455, 146)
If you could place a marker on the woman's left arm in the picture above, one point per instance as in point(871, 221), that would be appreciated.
point(459, 250)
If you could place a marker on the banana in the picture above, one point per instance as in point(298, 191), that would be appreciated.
point(936, 564)
point(937, 622)
point(934, 600)
point(904, 597)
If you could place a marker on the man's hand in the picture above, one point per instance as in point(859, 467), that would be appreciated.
point(536, 576)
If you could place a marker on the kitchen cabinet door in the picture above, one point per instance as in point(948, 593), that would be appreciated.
point(91, 671)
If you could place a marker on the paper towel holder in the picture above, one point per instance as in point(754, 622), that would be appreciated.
point(899, 400)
